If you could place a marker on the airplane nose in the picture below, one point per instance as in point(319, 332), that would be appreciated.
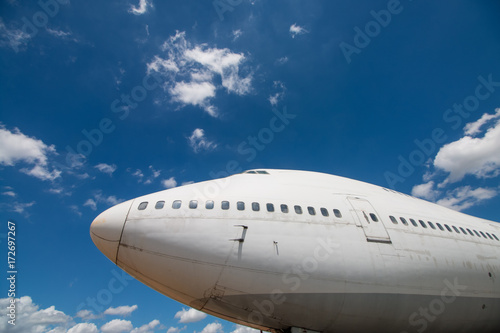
point(106, 229)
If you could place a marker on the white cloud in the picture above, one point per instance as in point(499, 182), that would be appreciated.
point(83, 328)
point(141, 8)
point(297, 30)
point(12, 38)
point(169, 183)
point(117, 326)
point(213, 328)
point(191, 72)
point(106, 168)
point(244, 329)
point(87, 315)
point(176, 329)
point(20, 207)
point(91, 203)
point(478, 156)
point(237, 34)
point(466, 197)
point(282, 60)
point(278, 96)
point(425, 191)
point(15, 147)
point(32, 319)
point(124, 310)
point(189, 316)
point(147, 328)
point(199, 142)
point(9, 193)
point(100, 198)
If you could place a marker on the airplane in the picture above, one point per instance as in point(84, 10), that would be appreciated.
point(307, 252)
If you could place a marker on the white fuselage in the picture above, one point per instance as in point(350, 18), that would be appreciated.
point(345, 262)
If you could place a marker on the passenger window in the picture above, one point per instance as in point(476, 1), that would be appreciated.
point(463, 231)
point(482, 233)
point(393, 219)
point(225, 205)
point(311, 210)
point(403, 221)
point(284, 208)
point(209, 204)
point(160, 204)
point(470, 232)
point(193, 204)
point(495, 236)
point(324, 211)
point(432, 225)
point(489, 235)
point(270, 207)
point(240, 205)
point(456, 229)
point(337, 213)
point(413, 222)
point(374, 217)
point(143, 205)
point(298, 209)
point(255, 206)
point(422, 223)
point(440, 226)
point(448, 228)
point(477, 233)
point(176, 204)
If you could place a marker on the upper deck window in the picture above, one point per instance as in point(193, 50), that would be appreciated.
point(432, 225)
point(298, 209)
point(240, 205)
point(324, 211)
point(143, 205)
point(422, 223)
point(463, 231)
point(160, 204)
point(311, 210)
point(284, 208)
point(470, 232)
point(337, 213)
point(225, 205)
point(403, 220)
point(255, 206)
point(209, 204)
point(193, 204)
point(393, 219)
point(489, 235)
point(482, 233)
point(448, 228)
point(440, 226)
point(456, 229)
point(176, 204)
point(495, 236)
point(270, 207)
point(477, 233)
point(413, 222)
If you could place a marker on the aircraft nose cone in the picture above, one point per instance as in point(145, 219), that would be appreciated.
point(106, 229)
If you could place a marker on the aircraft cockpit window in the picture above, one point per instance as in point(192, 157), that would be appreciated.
point(403, 220)
point(176, 204)
point(298, 209)
point(393, 219)
point(225, 205)
point(431, 224)
point(143, 205)
point(255, 206)
point(209, 204)
point(374, 217)
point(160, 204)
point(262, 172)
point(324, 211)
point(240, 205)
point(251, 172)
point(270, 207)
point(470, 232)
point(448, 228)
point(440, 226)
point(311, 210)
point(422, 223)
point(193, 204)
point(284, 208)
point(337, 213)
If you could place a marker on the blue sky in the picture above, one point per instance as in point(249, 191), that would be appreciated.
point(101, 102)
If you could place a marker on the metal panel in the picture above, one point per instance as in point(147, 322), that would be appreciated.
point(371, 222)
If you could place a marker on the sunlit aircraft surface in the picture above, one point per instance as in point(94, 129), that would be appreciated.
point(296, 251)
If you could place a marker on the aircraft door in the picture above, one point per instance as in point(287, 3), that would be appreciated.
point(371, 222)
